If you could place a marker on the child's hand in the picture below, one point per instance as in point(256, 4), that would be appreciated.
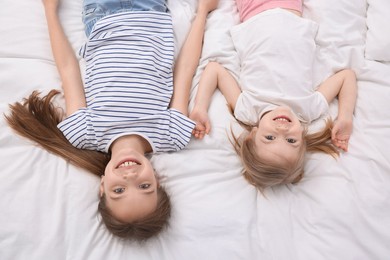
point(341, 133)
point(202, 121)
point(207, 5)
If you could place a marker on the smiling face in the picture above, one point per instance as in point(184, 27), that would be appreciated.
point(130, 186)
point(279, 136)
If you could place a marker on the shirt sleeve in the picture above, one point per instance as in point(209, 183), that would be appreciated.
point(319, 106)
point(180, 129)
point(74, 128)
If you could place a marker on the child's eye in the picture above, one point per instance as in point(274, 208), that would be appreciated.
point(119, 190)
point(291, 140)
point(144, 186)
point(270, 137)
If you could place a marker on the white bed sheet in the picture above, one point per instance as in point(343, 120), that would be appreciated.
point(340, 210)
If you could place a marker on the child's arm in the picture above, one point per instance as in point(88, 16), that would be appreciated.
point(65, 59)
point(213, 76)
point(189, 56)
point(343, 84)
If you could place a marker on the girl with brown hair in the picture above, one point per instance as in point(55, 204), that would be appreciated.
point(132, 103)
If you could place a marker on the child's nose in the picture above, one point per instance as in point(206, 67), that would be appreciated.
point(129, 175)
point(282, 127)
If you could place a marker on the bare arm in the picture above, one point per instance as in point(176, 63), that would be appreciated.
point(342, 84)
point(65, 59)
point(189, 56)
point(213, 76)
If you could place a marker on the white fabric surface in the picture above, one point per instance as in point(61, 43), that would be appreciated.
point(340, 210)
point(378, 30)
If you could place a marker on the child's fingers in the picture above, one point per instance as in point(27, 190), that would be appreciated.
point(201, 130)
point(198, 127)
point(208, 128)
point(342, 144)
point(198, 134)
point(344, 147)
point(334, 132)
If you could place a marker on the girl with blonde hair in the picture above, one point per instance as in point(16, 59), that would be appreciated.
point(274, 97)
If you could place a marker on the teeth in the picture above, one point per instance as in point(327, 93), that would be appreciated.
point(282, 119)
point(128, 163)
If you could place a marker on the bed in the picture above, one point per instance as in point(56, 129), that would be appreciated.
point(340, 209)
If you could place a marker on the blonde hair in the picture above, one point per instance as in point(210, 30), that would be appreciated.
point(267, 173)
point(36, 118)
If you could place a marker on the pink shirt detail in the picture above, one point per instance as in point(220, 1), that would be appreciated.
point(249, 8)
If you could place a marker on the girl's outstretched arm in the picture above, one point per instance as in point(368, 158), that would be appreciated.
point(189, 56)
point(343, 84)
point(213, 76)
point(65, 59)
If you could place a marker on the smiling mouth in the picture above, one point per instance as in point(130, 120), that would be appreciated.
point(127, 163)
point(282, 119)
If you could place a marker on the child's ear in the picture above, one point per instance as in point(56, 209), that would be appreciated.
point(101, 188)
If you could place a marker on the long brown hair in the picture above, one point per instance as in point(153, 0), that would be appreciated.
point(36, 118)
point(263, 174)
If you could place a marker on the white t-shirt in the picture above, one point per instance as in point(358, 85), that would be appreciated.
point(128, 85)
point(276, 50)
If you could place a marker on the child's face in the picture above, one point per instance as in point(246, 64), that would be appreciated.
point(279, 135)
point(130, 186)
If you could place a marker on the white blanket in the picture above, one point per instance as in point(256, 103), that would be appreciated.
point(340, 210)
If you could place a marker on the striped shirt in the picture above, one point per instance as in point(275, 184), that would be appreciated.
point(128, 85)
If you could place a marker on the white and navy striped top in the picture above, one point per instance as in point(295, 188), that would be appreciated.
point(128, 85)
